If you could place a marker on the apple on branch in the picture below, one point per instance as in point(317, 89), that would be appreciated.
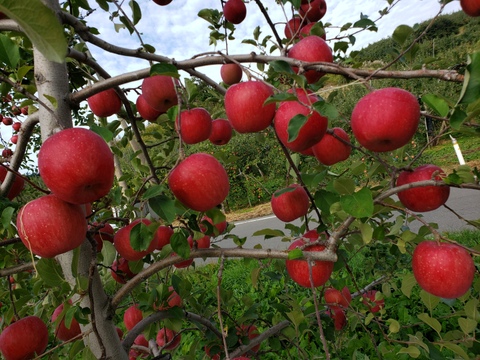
point(105, 103)
point(194, 125)
point(331, 150)
point(18, 183)
point(168, 339)
point(471, 7)
point(159, 91)
point(221, 132)
point(314, 10)
point(132, 316)
point(231, 73)
point(62, 332)
point(373, 301)
point(123, 244)
point(121, 271)
point(290, 203)
point(235, 11)
point(145, 110)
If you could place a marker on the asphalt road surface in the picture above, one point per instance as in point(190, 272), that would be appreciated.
point(464, 202)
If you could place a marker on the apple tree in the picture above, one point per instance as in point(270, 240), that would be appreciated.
point(106, 198)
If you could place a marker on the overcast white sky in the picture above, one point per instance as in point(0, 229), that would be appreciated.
point(176, 31)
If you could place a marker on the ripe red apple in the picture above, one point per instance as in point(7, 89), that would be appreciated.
point(339, 318)
point(14, 139)
point(244, 106)
point(16, 126)
point(168, 339)
point(221, 132)
point(77, 165)
point(145, 110)
point(121, 271)
point(7, 120)
point(369, 301)
point(386, 119)
point(173, 300)
point(314, 10)
point(247, 333)
point(105, 103)
point(18, 182)
point(199, 182)
point(330, 150)
point(49, 226)
point(162, 2)
point(443, 269)
point(290, 203)
point(202, 243)
point(121, 241)
point(425, 198)
point(311, 49)
point(194, 125)
point(132, 316)
point(140, 340)
point(307, 31)
point(311, 131)
point(231, 73)
point(160, 92)
point(164, 233)
point(24, 110)
point(104, 232)
point(62, 332)
point(470, 7)
point(235, 11)
point(7, 153)
point(299, 269)
point(15, 110)
point(24, 339)
point(219, 228)
point(337, 299)
point(293, 27)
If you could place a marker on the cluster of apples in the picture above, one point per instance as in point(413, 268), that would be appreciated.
point(309, 15)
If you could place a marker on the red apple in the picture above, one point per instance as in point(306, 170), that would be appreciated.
point(336, 298)
point(164, 233)
point(247, 333)
point(77, 165)
point(14, 139)
point(16, 126)
point(293, 27)
point(119, 332)
point(339, 318)
point(291, 203)
point(168, 339)
point(221, 132)
point(160, 92)
point(7, 120)
point(202, 243)
point(386, 119)
point(231, 73)
point(121, 271)
point(24, 339)
point(311, 49)
point(145, 110)
point(244, 106)
point(235, 11)
point(313, 11)
point(470, 7)
point(369, 301)
point(311, 132)
point(299, 269)
point(330, 150)
point(132, 316)
point(24, 110)
point(425, 198)
point(173, 300)
point(105, 103)
point(307, 31)
point(62, 332)
point(121, 241)
point(194, 125)
point(140, 340)
point(104, 232)
point(199, 182)
point(162, 2)
point(7, 153)
point(443, 269)
point(18, 182)
point(16, 111)
point(219, 228)
point(49, 226)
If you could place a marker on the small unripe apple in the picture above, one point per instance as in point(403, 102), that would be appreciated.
point(231, 73)
point(425, 198)
point(386, 119)
point(235, 11)
point(443, 269)
point(290, 203)
point(299, 269)
point(105, 103)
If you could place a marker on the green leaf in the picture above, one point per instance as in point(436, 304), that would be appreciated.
point(41, 26)
point(364, 23)
point(269, 233)
point(437, 104)
point(367, 232)
point(326, 109)
point(401, 33)
point(50, 272)
point(471, 84)
point(457, 350)
point(344, 186)
point(467, 325)
point(430, 301)
point(281, 66)
point(280, 98)
point(52, 100)
point(180, 245)
point(9, 52)
point(359, 204)
point(295, 125)
point(164, 69)
point(411, 350)
point(141, 237)
point(103, 4)
point(106, 134)
point(433, 323)
point(136, 11)
point(471, 309)
point(408, 282)
point(6, 218)
point(393, 326)
point(153, 191)
point(164, 207)
point(109, 253)
point(295, 254)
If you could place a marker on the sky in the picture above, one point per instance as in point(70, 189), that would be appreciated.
point(177, 32)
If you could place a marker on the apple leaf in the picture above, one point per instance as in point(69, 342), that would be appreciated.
point(283, 191)
point(279, 98)
point(367, 232)
point(401, 33)
point(471, 309)
point(153, 191)
point(269, 233)
point(437, 104)
point(180, 245)
point(40, 25)
point(6, 217)
point(467, 325)
point(433, 323)
point(393, 326)
point(359, 204)
point(106, 134)
point(141, 236)
point(411, 350)
point(164, 207)
point(9, 52)
point(325, 199)
point(136, 11)
point(295, 254)
point(239, 241)
point(295, 125)
point(50, 272)
point(344, 186)
point(456, 349)
point(164, 69)
point(471, 84)
point(430, 301)
point(326, 109)
point(109, 253)
point(282, 67)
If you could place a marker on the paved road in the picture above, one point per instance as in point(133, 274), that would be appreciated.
point(464, 201)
